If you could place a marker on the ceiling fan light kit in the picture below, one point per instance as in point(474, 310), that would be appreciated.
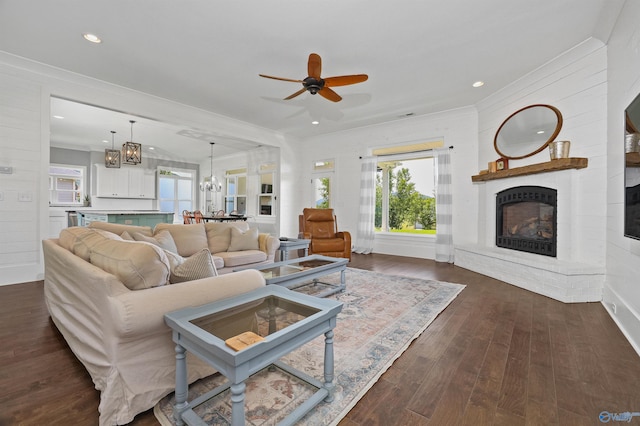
point(315, 84)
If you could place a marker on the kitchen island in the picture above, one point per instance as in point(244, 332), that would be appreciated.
point(126, 217)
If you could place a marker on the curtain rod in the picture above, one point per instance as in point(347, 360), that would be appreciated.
point(401, 153)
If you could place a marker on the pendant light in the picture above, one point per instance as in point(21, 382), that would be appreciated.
point(211, 183)
point(112, 156)
point(132, 151)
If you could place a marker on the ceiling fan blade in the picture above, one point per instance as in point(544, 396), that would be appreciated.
point(315, 66)
point(327, 93)
point(345, 80)
point(280, 78)
point(299, 92)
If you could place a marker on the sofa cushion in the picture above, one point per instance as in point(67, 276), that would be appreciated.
point(162, 239)
point(247, 240)
point(79, 240)
point(239, 258)
point(319, 245)
point(195, 267)
point(189, 239)
point(119, 228)
point(137, 264)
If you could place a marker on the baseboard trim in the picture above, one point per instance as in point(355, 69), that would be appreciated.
point(625, 317)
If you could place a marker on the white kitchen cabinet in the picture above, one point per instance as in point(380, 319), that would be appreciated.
point(142, 183)
point(125, 182)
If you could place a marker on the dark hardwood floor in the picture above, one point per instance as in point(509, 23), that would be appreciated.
point(498, 355)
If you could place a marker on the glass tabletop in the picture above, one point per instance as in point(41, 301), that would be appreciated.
point(262, 317)
point(292, 268)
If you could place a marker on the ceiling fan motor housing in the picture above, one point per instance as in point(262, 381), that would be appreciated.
point(313, 85)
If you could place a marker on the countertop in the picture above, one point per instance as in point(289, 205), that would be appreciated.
point(122, 212)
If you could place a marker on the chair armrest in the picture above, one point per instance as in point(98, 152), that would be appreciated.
point(268, 244)
point(142, 312)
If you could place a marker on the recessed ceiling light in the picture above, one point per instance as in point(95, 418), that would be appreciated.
point(151, 147)
point(478, 84)
point(105, 141)
point(315, 123)
point(540, 132)
point(92, 38)
point(59, 117)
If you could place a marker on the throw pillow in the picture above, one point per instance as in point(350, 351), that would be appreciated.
point(189, 239)
point(247, 240)
point(162, 239)
point(218, 236)
point(199, 265)
point(138, 265)
point(174, 259)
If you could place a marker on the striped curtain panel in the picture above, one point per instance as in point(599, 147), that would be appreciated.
point(444, 207)
point(365, 233)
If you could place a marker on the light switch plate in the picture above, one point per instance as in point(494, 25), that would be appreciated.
point(7, 170)
point(25, 197)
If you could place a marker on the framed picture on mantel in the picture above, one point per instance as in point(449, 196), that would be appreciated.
point(502, 164)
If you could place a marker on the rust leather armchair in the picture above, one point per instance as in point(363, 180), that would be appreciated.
point(321, 227)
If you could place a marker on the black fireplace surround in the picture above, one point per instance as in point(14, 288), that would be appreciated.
point(526, 219)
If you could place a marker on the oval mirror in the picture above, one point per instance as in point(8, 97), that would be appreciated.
point(527, 131)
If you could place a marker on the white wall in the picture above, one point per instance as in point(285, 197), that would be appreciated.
point(24, 145)
point(575, 83)
point(456, 127)
point(622, 288)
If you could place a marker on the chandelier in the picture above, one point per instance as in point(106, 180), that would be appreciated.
point(210, 183)
point(112, 156)
point(132, 151)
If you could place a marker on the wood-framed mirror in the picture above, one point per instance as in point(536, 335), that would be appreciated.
point(527, 131)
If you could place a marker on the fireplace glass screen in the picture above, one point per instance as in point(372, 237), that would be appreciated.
point(526, 219)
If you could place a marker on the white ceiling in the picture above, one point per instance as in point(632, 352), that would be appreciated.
point(421, 56)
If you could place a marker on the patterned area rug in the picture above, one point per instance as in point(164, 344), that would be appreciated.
point(382, 315)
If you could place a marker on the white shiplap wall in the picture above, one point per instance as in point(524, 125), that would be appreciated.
point(575, 83)
point(20, 149)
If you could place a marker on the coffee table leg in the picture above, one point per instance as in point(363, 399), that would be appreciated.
point(328, 364)
point(182, 387)
point(237, 404)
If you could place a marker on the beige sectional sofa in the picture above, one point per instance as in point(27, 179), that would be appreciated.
point(108, 297)
point(232, 244)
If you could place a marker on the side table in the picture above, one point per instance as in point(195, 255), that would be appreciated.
point(293, 244)
point(284, 319)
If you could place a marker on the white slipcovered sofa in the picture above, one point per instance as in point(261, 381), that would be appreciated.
point(108, 297)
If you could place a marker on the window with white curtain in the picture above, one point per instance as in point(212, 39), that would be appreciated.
point(406, 189)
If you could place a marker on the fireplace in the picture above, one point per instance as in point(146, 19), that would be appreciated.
point(526, 219)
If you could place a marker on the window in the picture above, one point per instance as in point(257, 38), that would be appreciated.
point(176, 191)
point(321, 180)
point(66, 184)
point(236, 195)
point(405, 192)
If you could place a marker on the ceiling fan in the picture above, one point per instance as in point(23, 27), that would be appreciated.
point(316, 84)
